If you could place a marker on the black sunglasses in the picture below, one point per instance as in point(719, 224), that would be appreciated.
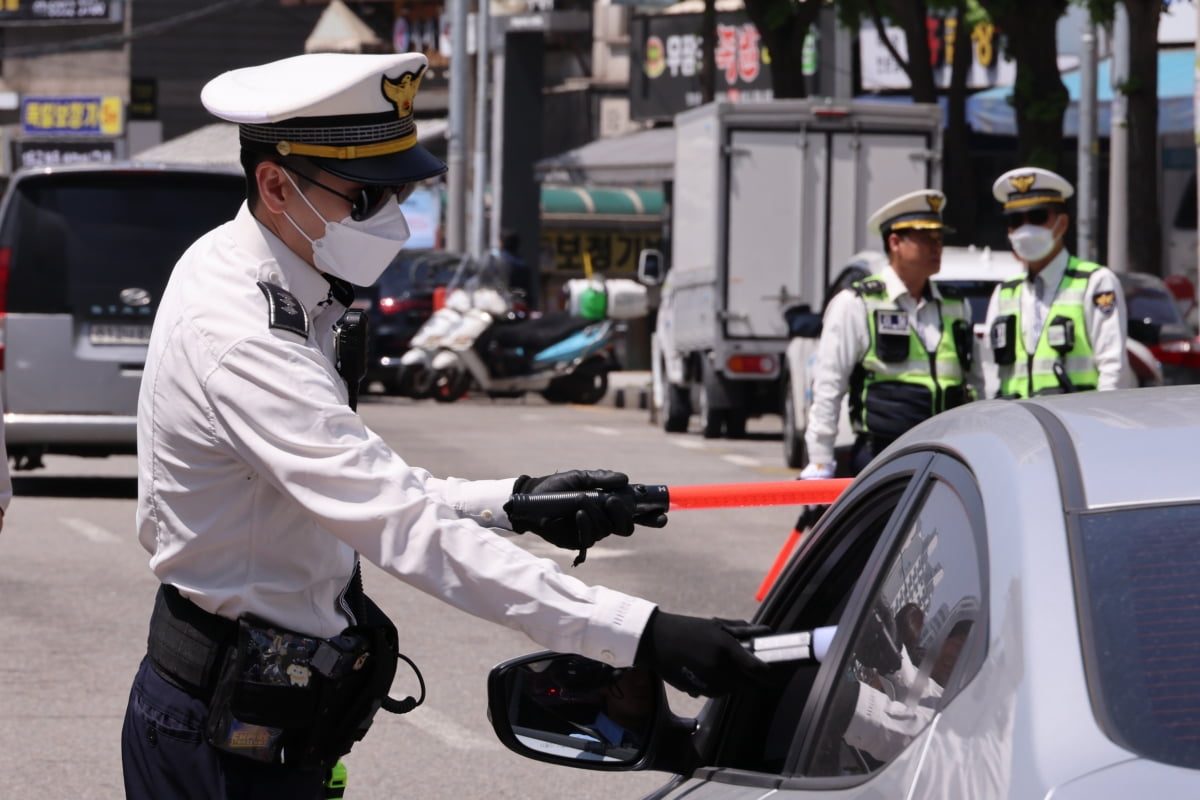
point(371, 198)
point(1035, 216)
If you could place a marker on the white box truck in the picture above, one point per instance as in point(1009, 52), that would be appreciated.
point(770, 201)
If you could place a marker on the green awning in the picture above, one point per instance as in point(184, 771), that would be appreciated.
point(601, 204)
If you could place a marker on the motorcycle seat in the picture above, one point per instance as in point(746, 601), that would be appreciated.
point(535, 335)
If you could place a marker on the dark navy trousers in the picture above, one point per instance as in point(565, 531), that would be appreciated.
point(164, 755)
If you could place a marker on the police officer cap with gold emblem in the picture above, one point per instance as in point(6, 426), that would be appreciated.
point(916, 211)
point(1027, 188)
point(350, 114)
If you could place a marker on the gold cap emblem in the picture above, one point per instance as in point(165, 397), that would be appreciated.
point(935, 202)
point(400, 92)
point(1022, 183)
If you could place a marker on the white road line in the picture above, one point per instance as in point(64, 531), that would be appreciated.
point(446, 730)
point(686, 444)
point(597, 429)
point(91, 531)
point(741, 461)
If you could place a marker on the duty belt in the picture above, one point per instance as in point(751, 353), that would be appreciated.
point(187, 644)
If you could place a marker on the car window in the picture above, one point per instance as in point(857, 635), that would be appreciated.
point(905, 656)
point(78, 239)
point(977, 294)
point(1141, 627)
point(1151, 305)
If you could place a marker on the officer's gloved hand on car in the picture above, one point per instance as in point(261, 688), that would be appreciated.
point(701, 656)
point(594, 517)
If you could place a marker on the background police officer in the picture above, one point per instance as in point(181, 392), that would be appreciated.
point(259, 487)
point(1061, 325)
point(901, 349)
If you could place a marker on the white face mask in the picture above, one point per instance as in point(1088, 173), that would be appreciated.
point(1033, 242)
point(357, 252)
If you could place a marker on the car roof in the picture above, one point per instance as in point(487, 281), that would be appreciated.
point(126, 166)
point(1128, 447)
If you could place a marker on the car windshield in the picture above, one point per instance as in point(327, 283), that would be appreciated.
point(418, 271)
point(78, 239)
point(1140, 572)
point(976, 293)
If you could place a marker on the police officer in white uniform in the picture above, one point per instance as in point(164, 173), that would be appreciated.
point(891, 340)
point(1061, 325)
point(259, 487)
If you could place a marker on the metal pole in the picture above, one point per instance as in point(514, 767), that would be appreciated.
point(456, 176)
point(497, 139)
point(479, 245)
point(1087, 147)
point(1118, 147)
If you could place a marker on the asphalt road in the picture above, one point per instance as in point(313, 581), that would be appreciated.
point(75, 596)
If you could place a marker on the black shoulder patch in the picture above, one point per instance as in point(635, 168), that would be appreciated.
point(870, 287)
point(286, 313)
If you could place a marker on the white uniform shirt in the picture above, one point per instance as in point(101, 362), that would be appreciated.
point(1106, 325)
point(257, 483)
point(845, 339)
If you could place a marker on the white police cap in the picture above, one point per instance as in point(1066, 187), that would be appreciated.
point(351, 114)
point(1031, 187)
point(919, 210)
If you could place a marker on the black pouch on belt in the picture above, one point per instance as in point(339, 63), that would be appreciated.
point(266, 694)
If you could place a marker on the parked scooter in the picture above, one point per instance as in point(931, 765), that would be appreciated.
point(566, 356)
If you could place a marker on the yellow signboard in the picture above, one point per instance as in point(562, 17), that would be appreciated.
point(77, 116)
point(609, 251)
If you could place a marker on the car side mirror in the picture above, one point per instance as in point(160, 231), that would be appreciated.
point(650, 267)
point(567, 709)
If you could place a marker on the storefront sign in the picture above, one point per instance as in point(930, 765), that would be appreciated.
point(667, 52)
point(73, 11)
point(611, 252)
point(989, 67)
point(75, 116)
point(28, 153)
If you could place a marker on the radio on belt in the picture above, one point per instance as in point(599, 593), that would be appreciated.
point(798, 646)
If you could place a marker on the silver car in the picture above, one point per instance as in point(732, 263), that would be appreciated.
point(85, 252)
point(1007, 605)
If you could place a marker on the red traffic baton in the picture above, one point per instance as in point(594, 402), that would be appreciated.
point(658, 499)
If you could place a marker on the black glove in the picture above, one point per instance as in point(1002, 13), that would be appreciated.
point(701, 656)
point(594, 518)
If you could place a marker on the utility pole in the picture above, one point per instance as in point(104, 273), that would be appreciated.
point(1088, 148)
point(479, 244)
point(1118, 147)
point(456, 175)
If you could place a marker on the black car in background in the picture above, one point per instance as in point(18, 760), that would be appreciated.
point(398, 305)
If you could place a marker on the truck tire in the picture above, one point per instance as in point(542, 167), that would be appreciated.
point(735, 425)
point(793, 439)
point(675, 408)
point(712, 420)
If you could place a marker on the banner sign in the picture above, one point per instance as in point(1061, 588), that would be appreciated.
point(611, 251)
point(75, 116)
point(989, 66)
point(27, 11)
point(666, 59)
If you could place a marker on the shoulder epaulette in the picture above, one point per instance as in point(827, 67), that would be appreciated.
point(284, 310)
point(870, 286)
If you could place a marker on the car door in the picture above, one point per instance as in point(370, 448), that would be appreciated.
point(899, 567)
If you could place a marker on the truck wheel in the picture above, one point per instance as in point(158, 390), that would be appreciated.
point(793, 440)
point(712, 420)
point(675, 411)
point(735, 425)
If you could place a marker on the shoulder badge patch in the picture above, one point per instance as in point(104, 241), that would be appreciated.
point(1105, 301)
point(284, 310)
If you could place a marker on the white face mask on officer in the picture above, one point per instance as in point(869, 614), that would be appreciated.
point(357, 251)
point(1033, 242)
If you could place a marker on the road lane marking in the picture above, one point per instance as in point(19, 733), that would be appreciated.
point(447, 731)
point(91, 531)
point(741, 461)
point(602, 431)
point(687, 444)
